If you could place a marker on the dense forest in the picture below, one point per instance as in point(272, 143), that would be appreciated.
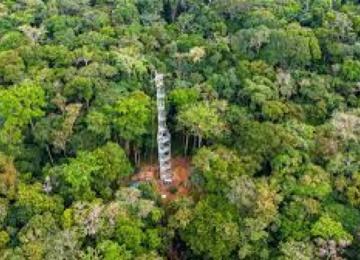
point(263, 101)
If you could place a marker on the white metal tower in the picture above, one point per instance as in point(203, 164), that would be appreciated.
point(163, 135)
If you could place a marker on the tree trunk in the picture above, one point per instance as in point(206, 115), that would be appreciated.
point(50, 155)
point(186, 144)
point(135, 159)
point(200, 141)
point(173, 13)
point(127, 147)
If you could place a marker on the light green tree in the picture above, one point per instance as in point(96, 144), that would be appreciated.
point(19, 106)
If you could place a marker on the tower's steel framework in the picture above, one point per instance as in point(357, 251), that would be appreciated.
point(163, 135)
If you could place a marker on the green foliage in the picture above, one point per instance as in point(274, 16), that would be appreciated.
point(327, 228)
point(347, 215)
point(92, 173)
point(313, 182)
point(130, 234)
point(297, 250)
point(78, 174)
point(12, 40)
point(297, 218)
point(259, 90)
point(125, 12)
point(11, 67)
point(4, 207)
point(31, 200)
point(212, 230)
point(18, 107)
point(262, 97)
point(219, 166)
point(132, 115)
point(291, 46)
point(294, 46)
point(184, 96)
point(98, 123)
point(4, 239)
point(350, 70)
point(111, 251)
point(202, 119)
point(353, 191)
point(79, 88)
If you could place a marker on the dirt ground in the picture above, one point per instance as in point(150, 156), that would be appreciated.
point(181, 184)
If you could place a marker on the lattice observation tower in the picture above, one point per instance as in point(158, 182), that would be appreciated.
point(163, 134)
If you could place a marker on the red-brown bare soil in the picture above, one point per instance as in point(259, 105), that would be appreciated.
point(180, 186)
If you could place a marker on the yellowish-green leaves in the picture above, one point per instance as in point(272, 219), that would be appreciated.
point(92, 173)
point(328, 228)
point(132, 115)
point(203, 119)
point(130, 60)
point(19, 105)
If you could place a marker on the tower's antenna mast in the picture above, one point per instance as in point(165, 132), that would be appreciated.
point(163, 135)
